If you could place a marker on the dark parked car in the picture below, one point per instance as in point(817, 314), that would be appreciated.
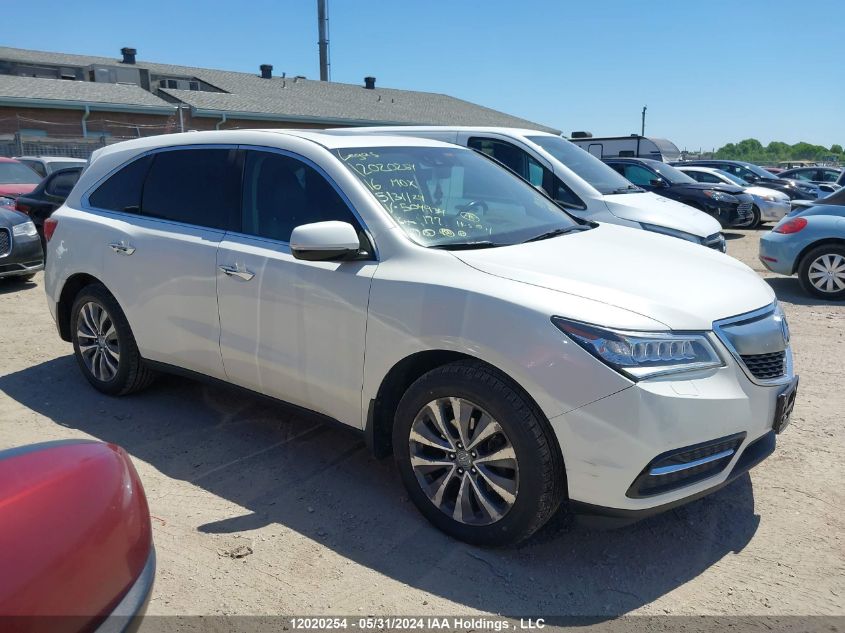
point(77, 553)
point(756, 175)
point(815, 175)
point(48, 196)
point(21, 254)
point(727, 203)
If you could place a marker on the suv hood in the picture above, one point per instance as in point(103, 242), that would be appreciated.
point(678, 283)
point(650, 208)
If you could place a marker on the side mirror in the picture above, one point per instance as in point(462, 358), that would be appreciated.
point(324, 241)
point(657, 182)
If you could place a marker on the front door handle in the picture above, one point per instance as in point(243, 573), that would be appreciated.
point(233, 271)
point(122, 248)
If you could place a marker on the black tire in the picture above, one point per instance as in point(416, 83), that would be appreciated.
point(541, 478)
point(756, 220)
point(832, 250)
point(131, 375)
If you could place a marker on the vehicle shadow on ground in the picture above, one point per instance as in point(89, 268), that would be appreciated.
point(320, 481)
point(789, 290)
point(732, 236)
point(11, 284)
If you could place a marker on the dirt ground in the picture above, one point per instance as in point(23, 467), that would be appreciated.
point(332, 532)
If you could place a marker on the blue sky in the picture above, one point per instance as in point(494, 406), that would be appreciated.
point(710, 71)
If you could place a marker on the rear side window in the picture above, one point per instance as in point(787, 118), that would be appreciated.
point(122, 191)
point(194, 186)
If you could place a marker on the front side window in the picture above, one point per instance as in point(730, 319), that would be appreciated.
point(521, 162)
point(638, 175)
point(281, 193)
point(830, 175)
point(601, 177)
point(194, 186)
point(452, 197)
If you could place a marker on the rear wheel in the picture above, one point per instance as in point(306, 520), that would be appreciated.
point(103, 344)
point(477, 458)
point(822, 272)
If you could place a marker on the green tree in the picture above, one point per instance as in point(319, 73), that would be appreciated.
point(836, 148)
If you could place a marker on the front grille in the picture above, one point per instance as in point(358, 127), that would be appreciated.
point(766, 366)
point(745, 210)
point(685, 466)
point(5, 242)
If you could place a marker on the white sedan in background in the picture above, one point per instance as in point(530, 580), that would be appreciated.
point(769, 205)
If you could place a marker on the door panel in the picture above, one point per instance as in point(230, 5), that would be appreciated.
point(167, 288)
point(296, 329)
point(292, 329)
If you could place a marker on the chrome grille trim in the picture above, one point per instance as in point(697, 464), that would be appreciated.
point(763, 365)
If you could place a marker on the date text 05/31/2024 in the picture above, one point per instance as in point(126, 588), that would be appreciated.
point(415, 623)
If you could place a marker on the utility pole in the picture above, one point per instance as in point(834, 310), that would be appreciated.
point(323, 30)
point(642, 131)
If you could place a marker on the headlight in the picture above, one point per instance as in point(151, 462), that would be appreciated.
point(720, 196)
point(6, 201)
point(641, 355)
point(664, 230)
point(769, 198)
point(24, 229)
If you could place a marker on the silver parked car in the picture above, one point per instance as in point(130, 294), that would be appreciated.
point(811, 244)
point(770, 205)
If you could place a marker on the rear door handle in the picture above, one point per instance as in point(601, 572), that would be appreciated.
point(233, 271)
point(122, 248)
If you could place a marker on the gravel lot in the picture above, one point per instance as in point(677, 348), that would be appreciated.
point(333, 533)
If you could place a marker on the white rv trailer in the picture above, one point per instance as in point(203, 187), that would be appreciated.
point(633, 146)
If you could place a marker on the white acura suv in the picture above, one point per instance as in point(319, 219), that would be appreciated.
point(515, 360)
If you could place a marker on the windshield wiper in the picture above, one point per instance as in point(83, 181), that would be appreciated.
point(556, 232)
point(626, 189)
point(466, 246)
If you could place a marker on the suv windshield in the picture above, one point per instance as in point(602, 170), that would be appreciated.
point(454, 198)
point(604, 179)
point(733, 178)
point(17, 174)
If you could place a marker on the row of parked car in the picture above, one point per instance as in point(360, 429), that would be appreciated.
point(672, 199)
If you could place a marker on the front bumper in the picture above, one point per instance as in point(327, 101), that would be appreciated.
point(607, 444)
point(24, 257)
point(772, 211)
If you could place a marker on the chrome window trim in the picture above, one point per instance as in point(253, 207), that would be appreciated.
point(752, 316)
point(85, 204)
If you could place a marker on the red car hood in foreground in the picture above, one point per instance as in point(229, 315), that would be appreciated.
point(13, 190)
point(75, 535)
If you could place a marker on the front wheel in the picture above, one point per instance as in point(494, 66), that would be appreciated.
point(476, 456)
point(822, 272)
point(756, 218)
point(103, 344)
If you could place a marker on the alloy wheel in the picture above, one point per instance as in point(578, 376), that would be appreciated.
point(827, 273)
point(97, 340)
point(464, 461)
